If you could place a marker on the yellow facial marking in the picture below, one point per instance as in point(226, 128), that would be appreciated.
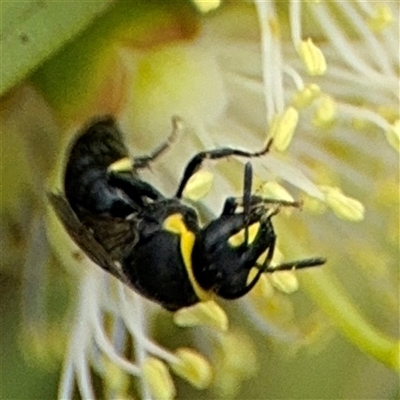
point(252, 274)
point(261, 259)
point(123, 164)
point(175, 224)
point(238, 238)
point(259, 263)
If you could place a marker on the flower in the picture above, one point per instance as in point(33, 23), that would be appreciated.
point(321, 79)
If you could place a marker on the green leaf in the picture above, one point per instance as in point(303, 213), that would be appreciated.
point(32, 30)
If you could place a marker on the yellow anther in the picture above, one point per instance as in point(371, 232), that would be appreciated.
point(238, 238)
point(263, 289)
point(206, 313)
point(207, 6)
point(344, 207)
point(313, 205)
point(273, 190)
point(285, 281)
point(312, 57)
point(236, 361)
point(393, 135)
point(238, 353)
point(198, 185)
point(305, 97)
point(283, 127)
point(389, 112)
point(381, 18)
point(115, 379)
point(325, 113)
point(158, 378)
point(193, 367)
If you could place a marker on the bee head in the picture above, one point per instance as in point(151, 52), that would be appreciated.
point(228, 248)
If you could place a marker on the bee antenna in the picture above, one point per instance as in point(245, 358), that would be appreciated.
point(248, 180)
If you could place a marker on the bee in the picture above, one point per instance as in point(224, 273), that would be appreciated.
point(156, 244)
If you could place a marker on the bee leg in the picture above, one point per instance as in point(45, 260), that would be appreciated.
point(145, 161)
point(134, 188)
point(230, 206)
point(195, 163)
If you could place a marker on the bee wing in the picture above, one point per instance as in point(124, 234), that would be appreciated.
point(83, 237)
point(117, 236)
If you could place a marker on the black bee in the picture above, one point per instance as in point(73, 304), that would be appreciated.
point(155, 244)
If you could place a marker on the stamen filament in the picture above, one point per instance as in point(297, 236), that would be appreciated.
point(365, 114)
point(76, 358)
point(375, 47)
point(365, 6)
point(295, 22)
point(295, 76)
point(270, 50)
point(327, 292)
point(108, 349)
point(66, 385)
point(83, 377)
point(342, 45)
point(137, 329)
point(147, 344)
point(293, 175)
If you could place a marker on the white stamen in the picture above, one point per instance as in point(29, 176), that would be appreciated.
point(293, 175)
point(108, 349)
point(343, 46)
point(147, 344)
point(295, 22)
point(363, 113)
point(375, 48)
point(83, 377)
point(66, 385)
point(297, 79)
point(365, 6)
point(135, 322)
point(270, 50)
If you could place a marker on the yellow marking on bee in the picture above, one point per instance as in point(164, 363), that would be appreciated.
point(252, 274)
point(262, 257)
point(259, 263)
point(123, 164)
point(175, 224)
point(237, 239)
